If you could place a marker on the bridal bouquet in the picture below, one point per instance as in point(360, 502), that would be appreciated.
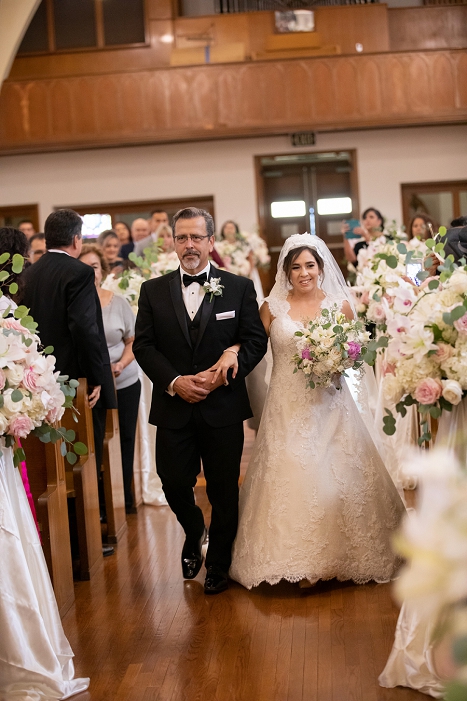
point(128, 285)
point(328, 346)
point(236, 256)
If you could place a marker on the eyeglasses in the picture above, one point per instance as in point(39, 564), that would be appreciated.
point(195, 238)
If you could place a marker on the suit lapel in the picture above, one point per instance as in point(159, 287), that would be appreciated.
point(207, 308)
point(179, 305)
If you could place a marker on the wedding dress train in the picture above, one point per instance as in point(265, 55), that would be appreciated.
point(35, 656)
point(317, 501)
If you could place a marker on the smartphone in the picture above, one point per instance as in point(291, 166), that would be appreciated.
point(412, 269)
point(352, 224)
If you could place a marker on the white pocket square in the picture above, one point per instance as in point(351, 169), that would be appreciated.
point(225, 315)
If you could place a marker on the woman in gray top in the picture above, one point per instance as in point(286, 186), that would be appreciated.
point(119, 327)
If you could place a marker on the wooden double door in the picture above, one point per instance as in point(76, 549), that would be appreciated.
point(309, 183)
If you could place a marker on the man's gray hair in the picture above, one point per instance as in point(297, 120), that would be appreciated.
point(194, 213)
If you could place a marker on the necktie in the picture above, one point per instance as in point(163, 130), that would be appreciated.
point(200, 279)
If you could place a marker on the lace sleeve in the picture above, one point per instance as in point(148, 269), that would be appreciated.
point(277, 307)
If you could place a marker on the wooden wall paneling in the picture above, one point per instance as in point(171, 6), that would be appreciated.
point(244, 99)
point(347, 25)
point(11, 215)
point(421, 92)
point(160, 9)
point(427, 28)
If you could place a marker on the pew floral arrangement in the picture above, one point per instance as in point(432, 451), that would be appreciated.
point(433, 542)
point(328, 346)
point(33, 397)
point(380, 274)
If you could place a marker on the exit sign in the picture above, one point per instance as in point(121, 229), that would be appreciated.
point(303, 138)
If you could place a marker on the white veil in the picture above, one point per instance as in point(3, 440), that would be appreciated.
point(332, 282)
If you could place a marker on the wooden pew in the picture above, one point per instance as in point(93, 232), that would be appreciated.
point(82, 487)
point(46, 473)
point(113, 479)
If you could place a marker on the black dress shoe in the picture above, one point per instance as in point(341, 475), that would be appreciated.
point(216, 581)
point(107, 550)
point(192, 557)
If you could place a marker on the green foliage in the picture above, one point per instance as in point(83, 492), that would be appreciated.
point(17, 263)
point(456, 691)
point(459, 650)
point(389, 423)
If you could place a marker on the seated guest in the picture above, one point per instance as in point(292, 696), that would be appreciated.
point(27, 227)
point(119, 328)
point(142, 242)
point(110, 244)
point(36, 247)
point(62, 297)
point(139, 231)
point(123, 232)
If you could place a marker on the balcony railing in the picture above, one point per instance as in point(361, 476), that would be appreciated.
point(231, 6)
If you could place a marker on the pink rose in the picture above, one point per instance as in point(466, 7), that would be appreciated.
point(461, 325)
point(2, 380)
point(365, 298)
point(444, 352)
point(353, 350)
point(306, 354)
point(21, 426)
point(30, 380)
point(428, 391)
point(14, 324)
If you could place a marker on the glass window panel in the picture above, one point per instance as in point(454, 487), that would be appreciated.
point(438, 205)
point(290, 208)
point(36, 38)
point(463, 202)
point(335, 205)
point(75, 24)
point(94, 224)
point(123, 21)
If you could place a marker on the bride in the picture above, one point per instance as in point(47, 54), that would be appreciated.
point(317, 501)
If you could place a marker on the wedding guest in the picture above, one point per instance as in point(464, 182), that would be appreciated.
point(27, 227)
point(157, 218)
point(61, 295)
point(123, 232)
point(110, 244)
point(119, 328)
point(161, 237)
point(36, 247)
point(421, 227)
point(371, 227)
point(139, 231)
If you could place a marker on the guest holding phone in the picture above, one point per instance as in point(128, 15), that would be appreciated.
point(371, 226)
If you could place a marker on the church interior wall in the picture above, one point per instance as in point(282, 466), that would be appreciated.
point(225, 170)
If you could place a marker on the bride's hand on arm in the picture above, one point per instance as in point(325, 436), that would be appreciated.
point(228, 360)
point(266, 316)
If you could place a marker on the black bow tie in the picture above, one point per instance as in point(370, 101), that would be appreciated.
point(200, 279)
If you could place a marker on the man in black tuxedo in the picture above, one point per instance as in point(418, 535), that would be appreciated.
point(182, 330)
point(62, 297)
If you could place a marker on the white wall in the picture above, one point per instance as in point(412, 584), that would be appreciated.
point(225, 169)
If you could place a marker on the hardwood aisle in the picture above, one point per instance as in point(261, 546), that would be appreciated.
point(142, 633)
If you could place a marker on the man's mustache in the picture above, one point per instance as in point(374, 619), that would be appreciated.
point(192, 252)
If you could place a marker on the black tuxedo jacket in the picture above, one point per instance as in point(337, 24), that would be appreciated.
point(62, 297)
point(163, 348)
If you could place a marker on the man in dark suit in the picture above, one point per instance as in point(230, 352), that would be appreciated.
point(182, 330)
point(62, 296)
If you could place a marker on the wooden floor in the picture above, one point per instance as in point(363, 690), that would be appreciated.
point(142, 633)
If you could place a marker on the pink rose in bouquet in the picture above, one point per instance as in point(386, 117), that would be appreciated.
point(20, 426)
point(461, 325)
point(428, 390)
point(354, 350)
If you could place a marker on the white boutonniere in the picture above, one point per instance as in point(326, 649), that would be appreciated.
point(213, 287)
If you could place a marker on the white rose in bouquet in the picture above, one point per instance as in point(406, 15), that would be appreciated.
point(392, 388)
point(452, 391)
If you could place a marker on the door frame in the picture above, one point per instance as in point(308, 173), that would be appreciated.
point(432, 186)
point(28, 211)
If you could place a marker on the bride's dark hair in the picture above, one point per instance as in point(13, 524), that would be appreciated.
point(293, 254)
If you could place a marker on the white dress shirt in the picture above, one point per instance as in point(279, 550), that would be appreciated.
point(193, 296)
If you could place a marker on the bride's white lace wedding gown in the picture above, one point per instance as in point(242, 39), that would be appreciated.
point(317, 501)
